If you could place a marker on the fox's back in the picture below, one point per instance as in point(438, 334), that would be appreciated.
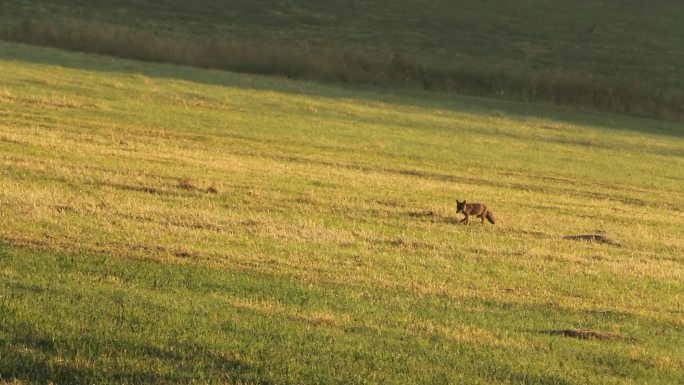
point(475, 208)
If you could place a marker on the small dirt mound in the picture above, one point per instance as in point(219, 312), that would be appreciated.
point(186, 184)
point(584, 334)
point(422, 213)
point(593, 238)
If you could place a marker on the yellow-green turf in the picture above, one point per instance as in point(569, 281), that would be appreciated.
point(163, 224)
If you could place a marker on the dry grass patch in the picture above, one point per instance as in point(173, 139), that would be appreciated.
point(6, 95)
point(9, 273)
point(11, 381)
point(323, 318)
point(462, 333)
point(276, 309)
point(50, 100)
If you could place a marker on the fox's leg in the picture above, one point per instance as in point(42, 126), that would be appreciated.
point(465, 218)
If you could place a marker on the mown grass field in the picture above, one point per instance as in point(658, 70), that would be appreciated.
point(622, 56)
point(164, 224)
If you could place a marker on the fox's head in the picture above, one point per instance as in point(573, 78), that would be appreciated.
point(460, 206)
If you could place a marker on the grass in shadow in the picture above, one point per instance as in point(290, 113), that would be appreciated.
point(340, 64)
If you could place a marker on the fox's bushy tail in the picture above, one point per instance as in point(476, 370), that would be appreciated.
point(490, 217)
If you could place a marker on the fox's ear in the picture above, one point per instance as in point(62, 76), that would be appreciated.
point(464, 201)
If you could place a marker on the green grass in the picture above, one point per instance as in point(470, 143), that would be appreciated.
point(621, 56)
point(535, 34)
point(169, 224)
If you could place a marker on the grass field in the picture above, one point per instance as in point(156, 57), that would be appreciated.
point(622, 56)
point(165, 224)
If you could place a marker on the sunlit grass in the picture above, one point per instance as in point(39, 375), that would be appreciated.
point(163, 224)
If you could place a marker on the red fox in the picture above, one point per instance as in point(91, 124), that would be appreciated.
point(477, 209)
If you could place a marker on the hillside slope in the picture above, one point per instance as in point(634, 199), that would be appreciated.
point(169, 224)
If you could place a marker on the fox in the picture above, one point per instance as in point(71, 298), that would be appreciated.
point(477, 209)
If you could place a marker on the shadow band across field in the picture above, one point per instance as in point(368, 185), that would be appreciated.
point(394, 96)
point(83, 319)
point(35, 357)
